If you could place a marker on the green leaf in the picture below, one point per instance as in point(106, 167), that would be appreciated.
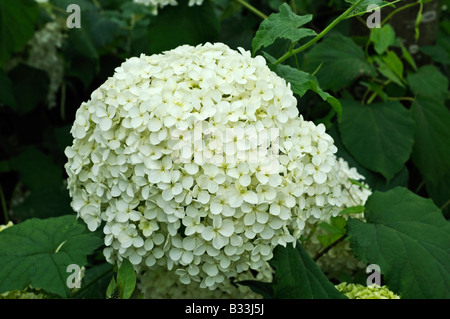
point(437, 53)
point(17, 20)
point(352, 210)
point(182, 24)
point(340, 56)
point(391, 67)
point(262, 288)
point(285, 24)
point(112, 291)
point(298, 277)
point(379, 136)
point(428, 82)
point(363, 6)
point(36, 169)
point(301, 82)
point(126, 279)
point(335, 230)
point(95, 282)
point(34, 82)
point(408, 237)
point(44, 202)
point(407, 56)
point(431, 153)
point(394, 63)
point(38, 251)
point(376, 181)
point(382, 38)
point(6, 91)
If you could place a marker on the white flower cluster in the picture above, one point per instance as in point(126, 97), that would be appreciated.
point(340, 258)
point(204, 212)
point(43, 55)
point(162, 3)
point(161, 283)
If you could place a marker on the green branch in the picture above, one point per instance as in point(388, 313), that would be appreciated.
point(320, 35)
point(252, 8)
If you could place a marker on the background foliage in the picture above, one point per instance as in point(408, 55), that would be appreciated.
point(386, 108)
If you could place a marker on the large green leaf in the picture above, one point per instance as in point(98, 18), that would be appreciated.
point(364, 5)
point(285, 24)
point(298, 277)
point(379, 136)
point(407, 236)
point(182, 24)
point(33, 82)
point(431, 153)
point(342, 62)
point(376, 181)
point(36, 169)
point(17, 20)
point(301, 82)
point(37, 252)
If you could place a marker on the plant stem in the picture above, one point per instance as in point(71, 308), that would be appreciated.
point(422, 183)
point(385, 20)
point(325, 250)
point(445, 205)
point(4, 208)
point(252, 8)
point(320, 35)
point(402, 98)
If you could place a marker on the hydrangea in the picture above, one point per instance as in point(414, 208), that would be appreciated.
point(43, 54)
point(162, 3)
point(340, 258)
point(357, 291)
point(28, 293)
point(161, 283)
point(196, 160)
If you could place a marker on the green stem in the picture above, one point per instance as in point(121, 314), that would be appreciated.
point(4, 208)
point(252, 8)
point(320, 35)
point(385, 20)
point(325, 250)
point(402, 98)
point(445, 205)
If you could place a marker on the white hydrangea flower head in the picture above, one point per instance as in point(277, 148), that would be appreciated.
point(357, 291)
point(161, 283)
point(165, 156)
point(43, 54)
point(162, 3)
point(340, 258)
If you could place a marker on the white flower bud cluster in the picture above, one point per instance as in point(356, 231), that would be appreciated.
point(43, 55)
point(162, 3)
point(340, 258)
point(161, 283)
point(213, 210)
point(9, 224)
point(357, 291)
